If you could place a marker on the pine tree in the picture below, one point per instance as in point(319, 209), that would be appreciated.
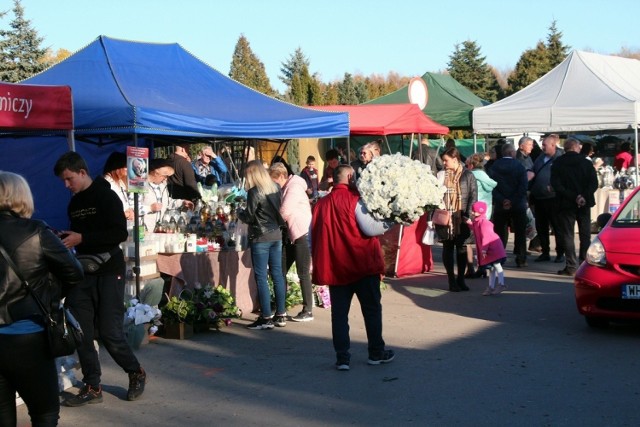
point(362, 91)
point(556, 50)
point(347, 94)
point(533, 64)
point(247, 68)
point(468, 67)
point(294, 65)
point(20, 53)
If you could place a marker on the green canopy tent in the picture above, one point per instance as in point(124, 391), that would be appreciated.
point(448, 102)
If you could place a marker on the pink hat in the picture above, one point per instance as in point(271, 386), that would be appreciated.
point(479, 207)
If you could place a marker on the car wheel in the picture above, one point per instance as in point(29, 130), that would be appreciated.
point(597, 322)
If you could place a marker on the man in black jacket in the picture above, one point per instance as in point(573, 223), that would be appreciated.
point(182, 184)
point(575, 181)
point(510, 201)
point(98, 226)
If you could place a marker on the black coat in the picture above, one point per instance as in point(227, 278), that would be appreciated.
point(572, 175)
point(511, 177)
point(36, 251)
point(262, 214)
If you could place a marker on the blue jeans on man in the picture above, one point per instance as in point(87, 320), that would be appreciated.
point(263, 255)
point(368, 292)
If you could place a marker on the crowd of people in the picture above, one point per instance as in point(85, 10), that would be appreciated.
point(333, 241)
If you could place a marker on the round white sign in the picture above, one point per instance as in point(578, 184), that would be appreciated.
point(418, 93)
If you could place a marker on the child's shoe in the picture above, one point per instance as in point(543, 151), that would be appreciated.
point(499, 289)
point(488, 291)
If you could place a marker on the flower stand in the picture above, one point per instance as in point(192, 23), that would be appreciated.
point(178, 331)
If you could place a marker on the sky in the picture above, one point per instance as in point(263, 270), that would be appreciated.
point(409, 37)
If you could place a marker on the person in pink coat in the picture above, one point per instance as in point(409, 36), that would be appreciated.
point(491, 253)
point(296, 211)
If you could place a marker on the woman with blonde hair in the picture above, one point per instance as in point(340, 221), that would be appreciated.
point(37, 253)
point(265, 236)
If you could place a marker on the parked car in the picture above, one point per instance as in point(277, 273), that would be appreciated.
point(607, 284)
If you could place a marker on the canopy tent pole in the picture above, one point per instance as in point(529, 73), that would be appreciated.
point(475, 149)
point(387, 142)
point(411, 144)
point(395, 268)
point(635, 131)
point(348, 150)
point(136, 232)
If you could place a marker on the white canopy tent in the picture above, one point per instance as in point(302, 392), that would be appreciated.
point(586, 92)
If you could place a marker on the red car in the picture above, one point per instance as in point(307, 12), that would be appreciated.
point(607, 284)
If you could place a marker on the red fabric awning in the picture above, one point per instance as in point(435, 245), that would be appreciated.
point(386, 119)
point(31, 107)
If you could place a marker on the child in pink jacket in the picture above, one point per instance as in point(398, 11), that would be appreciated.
point(491, 253)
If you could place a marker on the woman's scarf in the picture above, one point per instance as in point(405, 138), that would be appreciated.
point(453, 196)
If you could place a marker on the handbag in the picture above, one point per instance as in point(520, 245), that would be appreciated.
point(429, 236)
point(441, 217)
point(92, 263)
point(63, 330)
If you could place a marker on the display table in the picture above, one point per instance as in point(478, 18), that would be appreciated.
point(414, 257)
point(231, 269)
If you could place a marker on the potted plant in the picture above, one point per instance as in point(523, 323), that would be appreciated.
point(214, 307)
point(178, 316)
point(140, 321)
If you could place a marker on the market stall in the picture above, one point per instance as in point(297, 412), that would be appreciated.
point(229, 268)
point(129, 93)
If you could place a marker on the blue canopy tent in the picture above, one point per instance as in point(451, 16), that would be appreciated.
point(125, 93)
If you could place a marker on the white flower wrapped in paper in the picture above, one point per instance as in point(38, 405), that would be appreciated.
point(394, 187)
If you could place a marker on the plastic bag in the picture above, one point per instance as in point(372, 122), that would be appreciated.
point(429, 236)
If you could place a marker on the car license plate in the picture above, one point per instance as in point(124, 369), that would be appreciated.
point(630, 291)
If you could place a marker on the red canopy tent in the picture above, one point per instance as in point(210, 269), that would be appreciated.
point(30, 107)
point(387, 119)
point(30, 116)
point(403, 251)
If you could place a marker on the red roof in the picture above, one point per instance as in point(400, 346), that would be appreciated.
point(386, 119)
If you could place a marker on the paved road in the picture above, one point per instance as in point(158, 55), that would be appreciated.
point(524, 358)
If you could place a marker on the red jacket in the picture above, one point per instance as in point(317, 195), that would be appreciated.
point(341, 253)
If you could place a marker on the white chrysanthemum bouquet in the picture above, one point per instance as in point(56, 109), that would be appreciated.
point(394, 187)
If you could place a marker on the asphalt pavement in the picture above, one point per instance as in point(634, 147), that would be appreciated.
point(523, 358)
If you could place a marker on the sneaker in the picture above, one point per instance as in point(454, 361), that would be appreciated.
point(342, 365)
point(280, 320)
point(499, 289)
point(137, 381)
point(559, 259)
point(303, 316)
point(87, 394)
point(261, 323)
point(488, 291)
point(385, 357)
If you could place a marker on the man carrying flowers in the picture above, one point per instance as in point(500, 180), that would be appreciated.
point(348, 258)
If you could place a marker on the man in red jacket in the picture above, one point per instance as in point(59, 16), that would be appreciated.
point(347, 257)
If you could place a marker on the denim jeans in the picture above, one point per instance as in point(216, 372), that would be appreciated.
point(99, 303)
point(269, 254)
point(300, 253)
point(367, 290)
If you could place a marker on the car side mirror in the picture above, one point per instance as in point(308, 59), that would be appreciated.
point(603, 219)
